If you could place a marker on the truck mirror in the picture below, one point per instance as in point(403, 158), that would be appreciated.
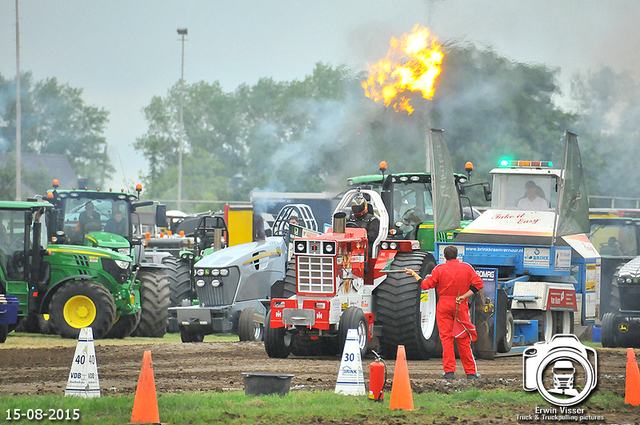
point(161, 215)
point(487, 191)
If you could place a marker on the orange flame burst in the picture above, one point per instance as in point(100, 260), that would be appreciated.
point(411, 65)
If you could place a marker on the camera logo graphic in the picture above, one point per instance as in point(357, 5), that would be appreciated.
point(563, 370)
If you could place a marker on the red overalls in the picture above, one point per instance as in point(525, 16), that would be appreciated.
point(451, 279)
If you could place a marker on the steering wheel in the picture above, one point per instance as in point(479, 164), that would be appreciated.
point(413, 215)
point(351, 224)
point(92, 225)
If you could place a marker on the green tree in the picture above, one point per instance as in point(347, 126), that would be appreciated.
point(56, 120)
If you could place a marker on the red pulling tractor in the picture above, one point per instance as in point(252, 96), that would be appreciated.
point(340, 280)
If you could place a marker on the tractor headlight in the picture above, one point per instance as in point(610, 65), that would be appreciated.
point(215, 283)
point(124, 265)
point(215, 272)
point(200, 283)
point(200, 272)
point(384, 245)
point(393, 245)
point(629, 280)
point(224, 272)
point(124, 251)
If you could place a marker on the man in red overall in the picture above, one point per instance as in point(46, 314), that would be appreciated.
point(455, 282)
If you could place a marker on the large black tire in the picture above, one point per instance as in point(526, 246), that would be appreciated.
point(248, 330)
point(354, 318)
point(290, 280)
point(79, 304)
point(608, 333)
point(178, 272)
point(397, 305)
point(154, 300)
point(4, 330)
point(124, 326)
point(506, 342)
point(277, 342)
point(187, 337)
point(179, 280)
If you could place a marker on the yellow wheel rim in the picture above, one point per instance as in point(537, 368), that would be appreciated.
point(79, 311)
point(46, 317)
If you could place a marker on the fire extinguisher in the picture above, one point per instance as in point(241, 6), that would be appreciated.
point(377, 378)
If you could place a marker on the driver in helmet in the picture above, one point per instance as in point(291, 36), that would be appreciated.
point(363, 218)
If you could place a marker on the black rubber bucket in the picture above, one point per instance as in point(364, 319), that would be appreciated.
point(264, 383)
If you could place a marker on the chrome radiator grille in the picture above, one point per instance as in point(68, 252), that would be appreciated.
point(210, 295)
point(315, 274)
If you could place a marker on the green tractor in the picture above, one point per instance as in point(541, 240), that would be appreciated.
point(76, 286)
point(104, 219)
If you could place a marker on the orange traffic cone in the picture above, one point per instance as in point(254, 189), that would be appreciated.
point(145, 405)
point(632, 384)
point(401, 395)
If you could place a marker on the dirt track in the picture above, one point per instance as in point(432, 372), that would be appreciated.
point(217, 366)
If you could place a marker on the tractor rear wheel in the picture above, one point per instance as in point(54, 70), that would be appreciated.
point(277, 341)
point(80, 304)
point(248, 330)
point(154, 300)
point(407, 316)
point(45, 325)
point(124, 326)
point(178, 273)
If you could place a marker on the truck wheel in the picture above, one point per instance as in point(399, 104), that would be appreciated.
point(124, 326)
point(277, 341)
point(178, 272)
point(407, 316)
point(556, 322)
point(354, 318)
point(80, 304)
point(191, 336)
point(4, 330)
point(609, 330)
point(248, 330)
point(505, 343)
point(154, 300)
point(290, 281)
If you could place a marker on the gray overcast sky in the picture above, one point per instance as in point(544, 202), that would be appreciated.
point(123, 52)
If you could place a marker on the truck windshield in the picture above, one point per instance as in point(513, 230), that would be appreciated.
point(618, 239)
point(524, 192)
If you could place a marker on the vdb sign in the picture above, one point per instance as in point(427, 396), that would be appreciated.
point(563, 370)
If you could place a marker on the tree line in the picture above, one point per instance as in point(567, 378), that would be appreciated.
point(311, 134)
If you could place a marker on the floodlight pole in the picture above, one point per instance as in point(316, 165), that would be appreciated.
point(182, 32)
point(18, 114)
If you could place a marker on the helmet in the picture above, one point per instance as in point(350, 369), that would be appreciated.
point(358, 205)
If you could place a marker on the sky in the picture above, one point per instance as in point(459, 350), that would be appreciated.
point(121, 53)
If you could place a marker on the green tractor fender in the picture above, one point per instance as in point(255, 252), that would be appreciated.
point(46, 300)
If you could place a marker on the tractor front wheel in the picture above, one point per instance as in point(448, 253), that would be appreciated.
point(180, 285)
point(248, 329)
point(80, 304)
point(354, 318)
point(277, 341)
point(609, 330)
point(187, 337)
